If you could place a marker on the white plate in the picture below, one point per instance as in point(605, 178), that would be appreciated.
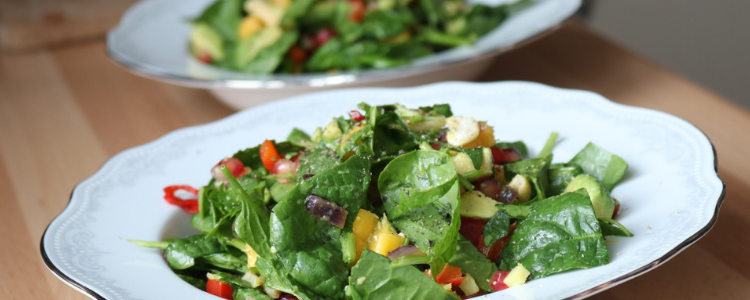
point(151, 41)
point(670, 195)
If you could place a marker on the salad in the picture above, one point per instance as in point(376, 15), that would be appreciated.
point(285, 36)
point(393, 203)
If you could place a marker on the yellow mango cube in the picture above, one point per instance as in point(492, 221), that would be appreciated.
point(384, 240)
point(252, 256)
point(364, 225)
point(249, 26)
point(359, 246)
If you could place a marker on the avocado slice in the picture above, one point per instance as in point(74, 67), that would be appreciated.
point(602, 202)
point(474, 204)
point(203, 38)
point(249, 48)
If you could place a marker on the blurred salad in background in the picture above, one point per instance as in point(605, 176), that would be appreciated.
point(298, 36)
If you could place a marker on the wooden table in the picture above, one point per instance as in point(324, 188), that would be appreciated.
point(64, 111)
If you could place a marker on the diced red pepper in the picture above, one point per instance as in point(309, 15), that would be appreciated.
point(450, 274)
point(496, 281)
point(297, 54)
point(356, 116)
point(188, 205)
point(219, 289)
point(268, 155)
point(357, 13)
point(507, 155)
point(204, 57)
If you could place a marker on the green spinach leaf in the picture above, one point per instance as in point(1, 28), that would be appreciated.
point(562, 233)
point(497, 227)
point(471, 261)
point(600, 163)
point(374, 278)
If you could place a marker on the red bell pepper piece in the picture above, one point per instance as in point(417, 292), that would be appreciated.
point(356, 116)
point(450, 274)
point(268, 155)
point(496, 281)
point(188, 205)
point(219, 289)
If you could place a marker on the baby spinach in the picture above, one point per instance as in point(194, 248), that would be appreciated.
point(440, 109)
point(600, 163)
point(374, 278)
point(250, 293)
point(224, 16)
point(612, 227)
point(559, 177)
point(535, 170)
point(269, 58)
point(181, 253)
point(293, 228)
point(421, 193)
point(276, 278)
point(317, 161)
point(224, 261)
point(321, 270)
point(561, 233)
point(497, 227)
point(518, 145)
point(252, 223)
point(473, 262)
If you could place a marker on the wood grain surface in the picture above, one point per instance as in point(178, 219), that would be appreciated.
point(30, 24)
point(63, 112)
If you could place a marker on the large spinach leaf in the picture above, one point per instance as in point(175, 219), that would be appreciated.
point(471, 261)
point(422, 198)
point(252, 224)
point(276, 278)
point(346, 184)
point(374, 278)
point(322, 269)
point(600, 163)
point(181, 253)
point(562, 233)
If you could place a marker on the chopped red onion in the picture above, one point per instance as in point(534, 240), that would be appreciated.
point(507, 155)
point(326, 210)
point(408, 250)
point(490, 187)
point(508, 195)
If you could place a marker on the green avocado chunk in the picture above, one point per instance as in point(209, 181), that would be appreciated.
point(203, 38)
point(602, 202)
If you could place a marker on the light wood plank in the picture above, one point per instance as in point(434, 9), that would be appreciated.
point(47, 148)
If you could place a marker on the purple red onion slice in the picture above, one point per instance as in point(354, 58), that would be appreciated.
point(326, 210)
point(408, 250)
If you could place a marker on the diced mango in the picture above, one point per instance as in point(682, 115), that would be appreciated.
point(517, 276)
point(252, 256)
point(249, 26)
point(486, 137)
point(359, 246)
point(364, 224)
point(384, 240)
point(469, 285)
